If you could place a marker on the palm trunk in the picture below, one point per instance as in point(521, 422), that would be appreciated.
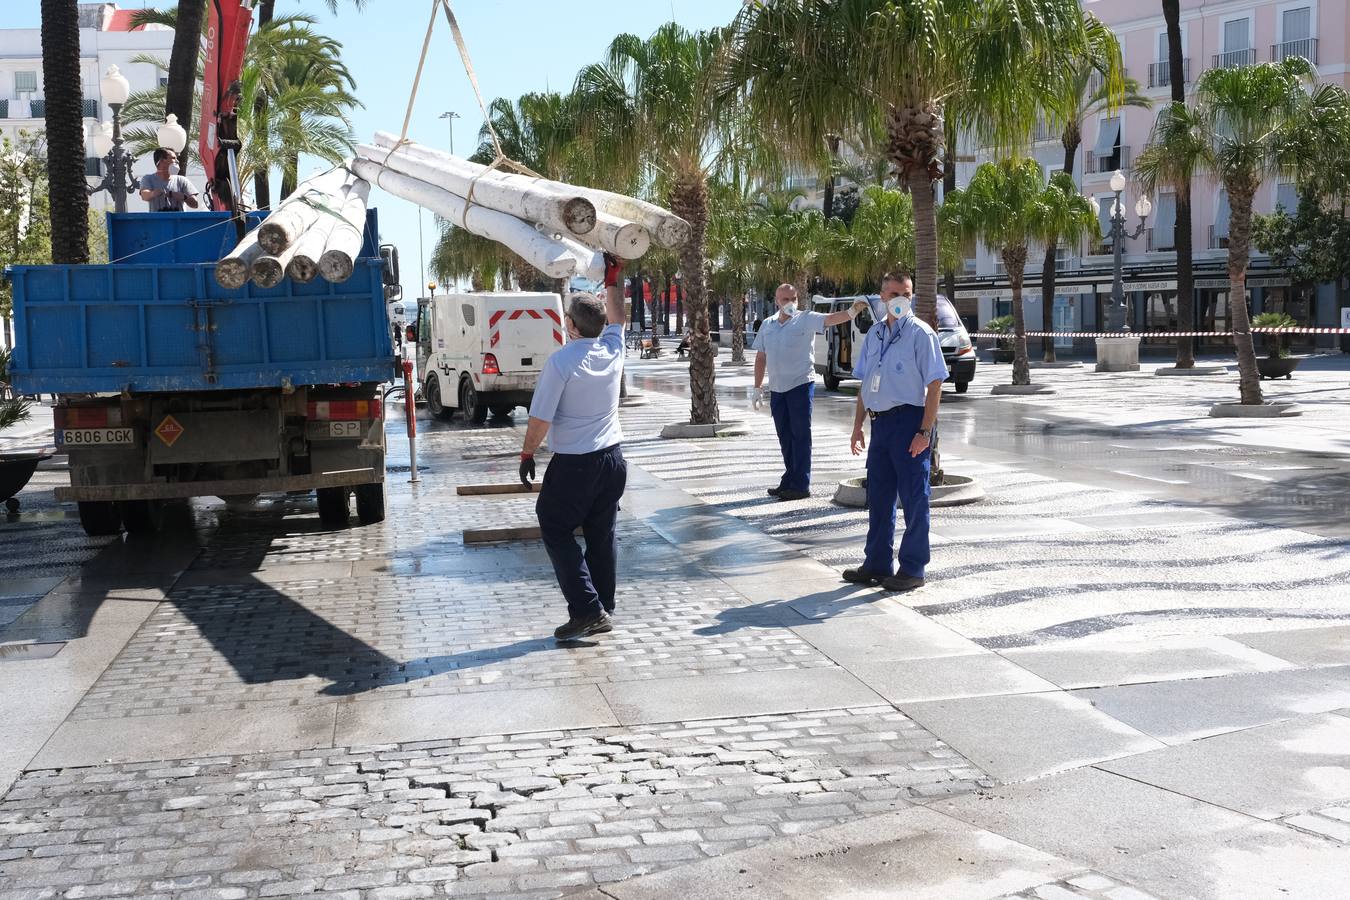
point(1015, 261)
point(1185, 274)
point(182, 85)
point(262, 178)
point(827, 206)
point(914, 143)
point(1239, 244)
point(1048, 271)
point(925, 247)
point(802, 283)
point(689, 201)
point(737, 329)
point(68, 195)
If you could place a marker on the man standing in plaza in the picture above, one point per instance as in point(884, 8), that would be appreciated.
point(576, 404)
point(901, 371)
point(785, 350)
point(164, 189)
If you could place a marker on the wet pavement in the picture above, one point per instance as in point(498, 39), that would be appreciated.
point(256, 705)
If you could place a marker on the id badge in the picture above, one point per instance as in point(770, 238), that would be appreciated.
point(875, 384)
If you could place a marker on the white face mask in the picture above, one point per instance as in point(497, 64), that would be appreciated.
point(788, 309)
point(173, 169)
point(899, 307)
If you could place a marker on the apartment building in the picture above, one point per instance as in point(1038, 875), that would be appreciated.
point(1214, 33)
point(106, 39)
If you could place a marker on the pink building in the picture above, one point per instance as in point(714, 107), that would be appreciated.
point(1213, 33)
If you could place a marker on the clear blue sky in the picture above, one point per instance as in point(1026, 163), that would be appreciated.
point(517, 46)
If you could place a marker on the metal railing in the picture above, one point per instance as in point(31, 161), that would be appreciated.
point(37, 109)
point(1097, 165)
point(1165, 241)
point(1217, 241)
point(1235, 58)
point(4, 109)
point(1160, 72)
point(93, 166)
point(1304, 47)
point(90, 108)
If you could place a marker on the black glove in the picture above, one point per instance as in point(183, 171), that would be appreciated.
point(526, 468)
point(613, 270)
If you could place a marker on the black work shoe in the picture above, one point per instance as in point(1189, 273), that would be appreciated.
point(789, 494)
point(902, 582)
point(774, 492)
point(575, 630)
point(862, 576)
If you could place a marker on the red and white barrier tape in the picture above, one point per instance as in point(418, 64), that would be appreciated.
point(1144, 335)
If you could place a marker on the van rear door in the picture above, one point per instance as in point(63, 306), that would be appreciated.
point(522, 330)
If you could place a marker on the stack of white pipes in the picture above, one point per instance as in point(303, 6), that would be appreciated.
point(317, 230)
point(560, 229)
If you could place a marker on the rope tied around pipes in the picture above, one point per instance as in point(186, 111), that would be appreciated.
point(501, 160)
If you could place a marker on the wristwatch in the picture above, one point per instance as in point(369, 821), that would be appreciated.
point(926, 432)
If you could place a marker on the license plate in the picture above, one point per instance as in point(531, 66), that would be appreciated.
point(95, 437)
point(344, 429)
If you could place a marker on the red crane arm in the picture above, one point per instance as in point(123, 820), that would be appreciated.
point(227, 28)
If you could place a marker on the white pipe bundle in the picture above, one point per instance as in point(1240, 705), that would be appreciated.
point(304, 264)
point(516, 195)
point(234, 270)
point(298, 212)
point(344, 241)
point(669, 230)
point(549, 256)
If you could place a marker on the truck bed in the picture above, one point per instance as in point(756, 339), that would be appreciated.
point(167, 326)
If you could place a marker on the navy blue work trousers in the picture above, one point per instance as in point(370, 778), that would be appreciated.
point(892, 474)
point(582, 490)
point(792, 420)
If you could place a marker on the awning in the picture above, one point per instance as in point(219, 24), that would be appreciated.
point(1107, 137)
point(1221, 216)
point(1165, 222)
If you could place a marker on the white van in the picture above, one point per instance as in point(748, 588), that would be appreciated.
point(481, 352)
point(835, 349)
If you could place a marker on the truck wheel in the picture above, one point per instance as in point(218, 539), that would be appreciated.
point(475, 410)
point(962, 386)
point(432, 392)
point(370, 503)
point(100, 518)
point(831, 382)
point(333, 507)
point(141, 517)
point(501, 411)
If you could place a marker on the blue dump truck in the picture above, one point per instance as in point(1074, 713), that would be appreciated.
point(169, 386)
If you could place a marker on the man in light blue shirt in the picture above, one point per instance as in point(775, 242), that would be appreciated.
point(901, 369)
point(576, 404)
point(785, 350)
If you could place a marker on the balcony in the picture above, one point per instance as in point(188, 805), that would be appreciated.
point(1105, 165)
point(4, 109)
point(1166, 241)
point(1306, 48)
point(1218, 241)
point(90, 109)
point(37, 109)
point(1234, 59)
point(1160, 73)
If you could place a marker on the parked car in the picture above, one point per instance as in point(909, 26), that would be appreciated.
point(481, 352)
point(835, 349)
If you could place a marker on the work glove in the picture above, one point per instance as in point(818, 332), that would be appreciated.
point(613, 270)
point(757, 397)
point(526, 468)
point(858, 308)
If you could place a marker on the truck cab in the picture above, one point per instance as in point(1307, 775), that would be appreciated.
point(481, 352)
point(836, 350)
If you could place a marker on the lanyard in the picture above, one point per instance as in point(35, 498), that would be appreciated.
point(886, 345)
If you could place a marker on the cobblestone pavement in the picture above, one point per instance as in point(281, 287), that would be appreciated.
point(520, 815)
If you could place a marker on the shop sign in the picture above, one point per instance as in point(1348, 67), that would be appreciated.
point(1151, 286)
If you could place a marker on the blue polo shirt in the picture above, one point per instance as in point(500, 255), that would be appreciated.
point(789, 349)
point(907, 355)
point(578, 393)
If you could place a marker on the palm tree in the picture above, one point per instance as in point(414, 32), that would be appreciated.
point(461, 254)
point(539, 130)
point(813, 67)
point(69, 196)
point(1181, 192)
point(1008, 206)
point(879, 238)
point(1248, 124)
point(1081, 94)
point(184, 61)
point(651, 110)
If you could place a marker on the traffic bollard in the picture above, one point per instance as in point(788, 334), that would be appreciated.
point(410, 411)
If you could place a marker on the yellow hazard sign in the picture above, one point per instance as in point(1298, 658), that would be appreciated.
point(169, 431)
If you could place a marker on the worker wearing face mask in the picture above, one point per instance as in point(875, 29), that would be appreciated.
point(164, 189)
point(901, 370)
point(784, 350)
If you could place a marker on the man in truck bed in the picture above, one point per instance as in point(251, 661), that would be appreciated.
point(576, 403)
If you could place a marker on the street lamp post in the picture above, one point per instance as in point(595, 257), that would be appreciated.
point(117, 179)
point(1118, 321)
point(451, 117)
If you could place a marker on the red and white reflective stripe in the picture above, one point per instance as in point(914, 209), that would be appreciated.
point(557, 336)
point(532, 313)
point(496, 336)
point(344, 410)
point(1143, 335)
point(496, 317)
point(553, 314)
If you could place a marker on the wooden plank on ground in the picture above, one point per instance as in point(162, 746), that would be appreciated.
point(488, 535)
point(490, 490)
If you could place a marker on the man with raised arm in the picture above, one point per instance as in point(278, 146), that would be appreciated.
point(576, 404)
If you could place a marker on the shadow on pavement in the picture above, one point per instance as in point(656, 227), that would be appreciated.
point(790, 612)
